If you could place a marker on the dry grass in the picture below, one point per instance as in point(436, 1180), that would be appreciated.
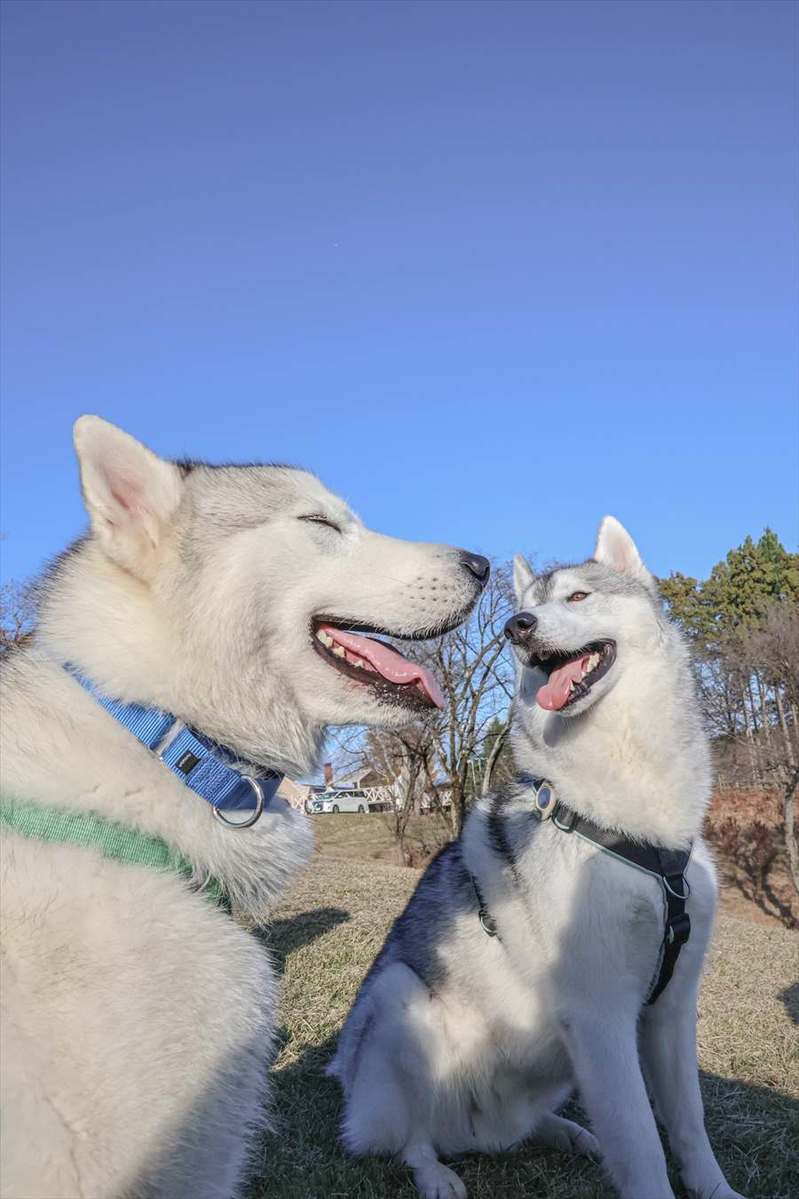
point(371, 838)
point(329, 930)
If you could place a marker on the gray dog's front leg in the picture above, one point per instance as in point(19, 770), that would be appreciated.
point(668, 1053)
point(604, 1052)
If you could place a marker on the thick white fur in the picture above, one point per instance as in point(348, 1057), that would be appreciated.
point(137, 1018)
point(459, 1042)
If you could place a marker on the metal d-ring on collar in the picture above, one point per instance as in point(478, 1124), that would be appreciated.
point(259, 807)
point(202, 765)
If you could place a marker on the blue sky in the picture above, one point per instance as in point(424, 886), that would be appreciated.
point(490, 269)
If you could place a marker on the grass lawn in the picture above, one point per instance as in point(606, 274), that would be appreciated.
point(325, 936)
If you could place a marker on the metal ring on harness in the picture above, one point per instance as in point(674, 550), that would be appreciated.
point(487, 923)
point(259, 807)
point(544, 797)
point(686, 886)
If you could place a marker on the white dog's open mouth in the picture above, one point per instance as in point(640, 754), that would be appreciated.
point(572, 674)
point(377, 665)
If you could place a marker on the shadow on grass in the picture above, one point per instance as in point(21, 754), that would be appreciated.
point(283, 937)
point(752, 1130)
point(790, 1000)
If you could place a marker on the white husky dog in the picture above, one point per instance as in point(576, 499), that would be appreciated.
point(137, 1016)
point(523, 964)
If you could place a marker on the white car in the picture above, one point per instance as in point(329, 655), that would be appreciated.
point(343, 800)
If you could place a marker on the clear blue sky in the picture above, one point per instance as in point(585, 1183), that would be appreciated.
point(490, 269)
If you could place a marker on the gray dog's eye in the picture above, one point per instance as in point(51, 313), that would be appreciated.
point(317, 518)
point(576, 596)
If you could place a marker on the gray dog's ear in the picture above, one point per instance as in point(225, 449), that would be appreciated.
point(616, 549)
point(130, 493)
point(523, 575)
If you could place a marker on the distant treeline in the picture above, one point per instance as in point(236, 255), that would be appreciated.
point(743, 625)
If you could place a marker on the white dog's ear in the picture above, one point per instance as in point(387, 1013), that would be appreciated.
point(523, 575)
point(130, 493)
point(615, 548)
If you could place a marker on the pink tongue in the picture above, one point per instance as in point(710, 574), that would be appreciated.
point(556, 691)
point(388, 662)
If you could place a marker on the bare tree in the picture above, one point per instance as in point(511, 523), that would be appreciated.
point(476, 675)
point(440, 754)
point(771, 651)
point(493, 755)
point(403, 759)
point(17, 616)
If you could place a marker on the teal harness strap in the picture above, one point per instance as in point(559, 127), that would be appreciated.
point(115, 841)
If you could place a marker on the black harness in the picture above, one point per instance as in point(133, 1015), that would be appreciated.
point(666, 865)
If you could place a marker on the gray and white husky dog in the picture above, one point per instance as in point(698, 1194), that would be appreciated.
point(461, 1041)
point(137, 1017)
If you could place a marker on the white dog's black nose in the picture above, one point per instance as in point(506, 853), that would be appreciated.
point(476, 565)
point(520, 627)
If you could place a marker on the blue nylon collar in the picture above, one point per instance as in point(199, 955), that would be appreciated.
point(200, 763)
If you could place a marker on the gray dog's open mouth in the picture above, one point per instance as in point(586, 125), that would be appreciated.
point(375, 664)
point(572, 673)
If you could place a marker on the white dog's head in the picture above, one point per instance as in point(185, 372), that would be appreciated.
point(581, 627)
point(243, 598)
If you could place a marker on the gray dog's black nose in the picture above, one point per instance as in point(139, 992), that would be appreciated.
point(476, 565)
point(520, 627)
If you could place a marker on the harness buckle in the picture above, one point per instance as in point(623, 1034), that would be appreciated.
point(678, 929)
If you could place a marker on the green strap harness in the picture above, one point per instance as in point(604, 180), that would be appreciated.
point(118, 842)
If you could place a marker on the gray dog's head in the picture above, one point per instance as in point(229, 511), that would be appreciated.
point(582, 627)
point(240, 597)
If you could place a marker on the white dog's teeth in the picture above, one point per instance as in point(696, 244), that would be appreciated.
point(357, 661)
point(339, 651)
point(324, 637)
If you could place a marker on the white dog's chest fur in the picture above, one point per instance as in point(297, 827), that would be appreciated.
point(161, 1006)
point(146, 980)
